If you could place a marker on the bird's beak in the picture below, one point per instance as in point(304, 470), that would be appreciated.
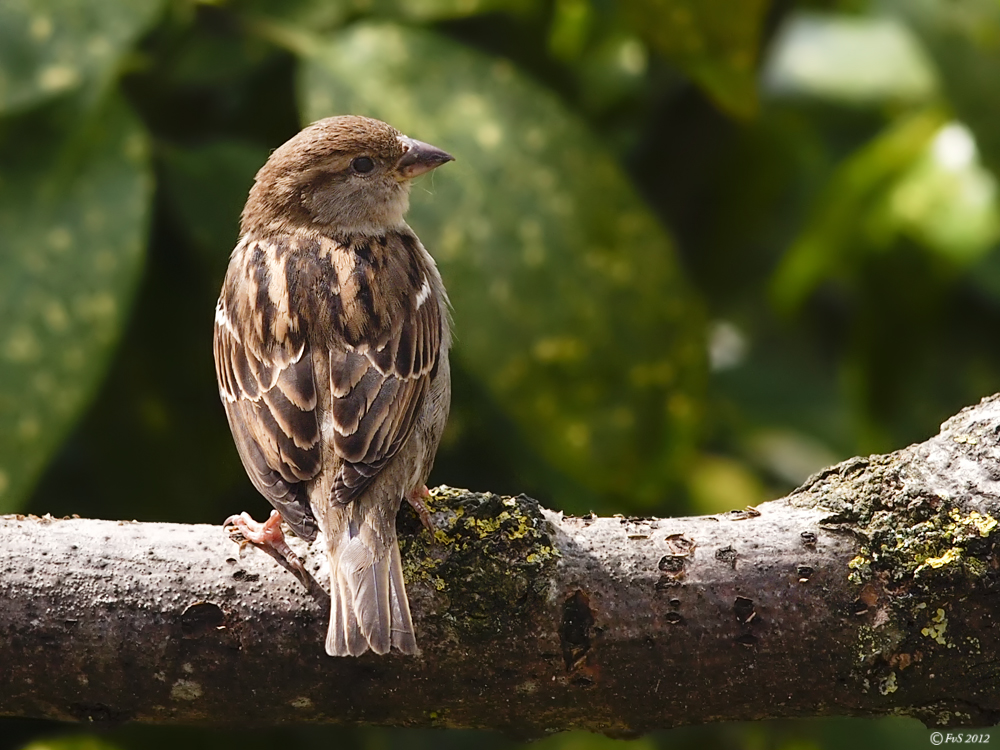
point(419, 157)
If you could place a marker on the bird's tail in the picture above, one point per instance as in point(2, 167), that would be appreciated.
point(368, 604)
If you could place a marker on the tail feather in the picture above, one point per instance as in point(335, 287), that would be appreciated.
point(336, 634)
point(402, 623)
point(366, 574)
point(343, 637)
point(368, 604)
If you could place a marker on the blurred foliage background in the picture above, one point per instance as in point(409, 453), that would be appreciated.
point(696, 249)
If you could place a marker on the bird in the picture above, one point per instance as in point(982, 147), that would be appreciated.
point(332, 334)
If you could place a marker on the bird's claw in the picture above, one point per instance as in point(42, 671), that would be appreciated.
point(244, 530)
point(267, 533)
point(416, 499)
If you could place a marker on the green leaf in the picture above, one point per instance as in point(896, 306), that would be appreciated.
point(569, 305)
point(714, 41)
point(572, 23)
point(429, 10)
point(831, 235)
point(963, 38)
point(321, 15)
point(848, 59)
point(49, 47)
point(919, 180)
point(946, 200)
point(73, 212)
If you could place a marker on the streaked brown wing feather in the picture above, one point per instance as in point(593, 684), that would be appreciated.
point(380, 383)
point(269, 393)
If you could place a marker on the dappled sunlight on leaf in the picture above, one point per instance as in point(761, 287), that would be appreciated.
point(49, 47)
point(73, 227)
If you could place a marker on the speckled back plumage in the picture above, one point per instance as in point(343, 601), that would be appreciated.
point(331, 347)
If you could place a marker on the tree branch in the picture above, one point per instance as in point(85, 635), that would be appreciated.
point(871, 590)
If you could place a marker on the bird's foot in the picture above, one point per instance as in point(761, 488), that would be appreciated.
point(268, 535)
point(416, 499)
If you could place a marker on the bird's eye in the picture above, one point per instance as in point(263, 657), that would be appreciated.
point(362, 165)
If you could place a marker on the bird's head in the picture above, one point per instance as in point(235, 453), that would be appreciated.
point(342, 175)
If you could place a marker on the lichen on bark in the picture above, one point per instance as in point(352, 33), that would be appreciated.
point(906, 532)
point(492, 553)
point(925, 519)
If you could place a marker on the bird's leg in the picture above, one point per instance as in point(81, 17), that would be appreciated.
point(269, 536)
point(416, 499)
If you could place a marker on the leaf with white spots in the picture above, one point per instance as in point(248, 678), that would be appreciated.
point(49, 47)
point(569, 304)
point(73, 215)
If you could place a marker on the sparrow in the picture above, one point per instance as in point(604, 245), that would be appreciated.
point(331, 351)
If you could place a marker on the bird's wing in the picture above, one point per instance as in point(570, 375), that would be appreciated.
point(385, 340)
point(265, 373)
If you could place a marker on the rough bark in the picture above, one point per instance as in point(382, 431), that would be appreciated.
point(871, 590)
